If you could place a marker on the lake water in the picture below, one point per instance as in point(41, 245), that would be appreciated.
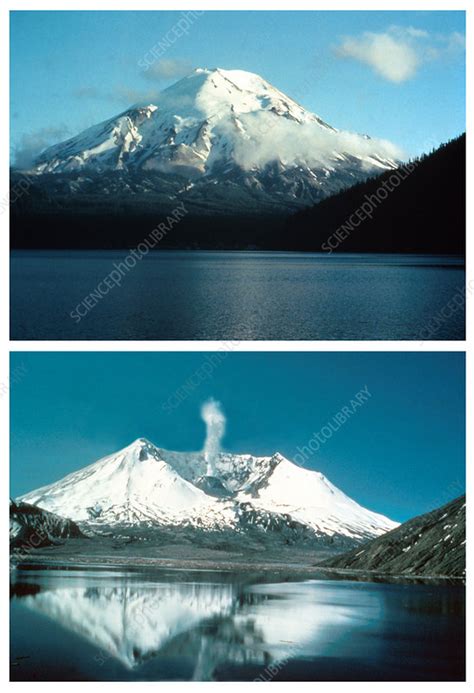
point(235, 296)
point(76, 625)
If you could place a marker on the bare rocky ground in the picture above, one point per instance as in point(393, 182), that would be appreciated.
point(174, 549)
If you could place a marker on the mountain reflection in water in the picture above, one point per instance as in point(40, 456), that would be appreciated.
point(126, 627)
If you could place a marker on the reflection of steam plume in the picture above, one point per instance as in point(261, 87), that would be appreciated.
point(213, 415)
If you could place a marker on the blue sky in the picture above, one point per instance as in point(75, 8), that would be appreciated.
point(395, 75)
point(401, 453)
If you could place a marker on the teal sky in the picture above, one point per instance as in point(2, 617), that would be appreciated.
point(401, 453)
point(395, 75)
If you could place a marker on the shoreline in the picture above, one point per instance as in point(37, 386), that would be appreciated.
point(297, 571)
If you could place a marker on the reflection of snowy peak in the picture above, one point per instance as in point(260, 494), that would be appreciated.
point(228, 128)
point(213, 623)
point(145, 484)
point(130, 623)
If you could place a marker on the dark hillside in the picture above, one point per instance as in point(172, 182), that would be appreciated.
point(416, 209)
point(432, 544)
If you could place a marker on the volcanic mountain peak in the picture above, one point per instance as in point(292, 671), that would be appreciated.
point(218, 93)
point(145, 484)
point(131, 485)
point(218, 127)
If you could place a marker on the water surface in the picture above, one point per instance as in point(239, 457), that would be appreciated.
point(236, 296)
point(85, 625)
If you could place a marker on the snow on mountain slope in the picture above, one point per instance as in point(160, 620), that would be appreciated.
point(132, 485)
point(106, 144)
point(312, 500)
point(222, 127)
point(146, 484)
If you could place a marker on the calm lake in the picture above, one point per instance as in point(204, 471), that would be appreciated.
point(187, 295)
point(115, 626)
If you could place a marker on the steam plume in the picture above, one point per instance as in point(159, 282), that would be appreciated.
point(212, 414)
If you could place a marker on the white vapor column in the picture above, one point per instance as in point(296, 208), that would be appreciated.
point(212, 414)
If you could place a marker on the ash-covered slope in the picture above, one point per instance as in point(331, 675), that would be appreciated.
point(33, 526)
point(144, 485)
point(217, 140)
point(430, 544)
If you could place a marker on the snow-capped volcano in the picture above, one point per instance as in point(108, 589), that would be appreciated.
point(227, 128)
point(143, 484)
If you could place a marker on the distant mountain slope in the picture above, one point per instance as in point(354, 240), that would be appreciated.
point(424, 212)
point(430, 544)
point(142, 485)
point(33, 526)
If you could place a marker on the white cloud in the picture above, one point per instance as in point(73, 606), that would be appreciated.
point(305, 144)
point(416, 33)
point(160, 71)
point(398, 53)
point(124, 96)
point(33, 143)
point(168, 69)
point(129, 96)
point(87, 92)
point(394, 60)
